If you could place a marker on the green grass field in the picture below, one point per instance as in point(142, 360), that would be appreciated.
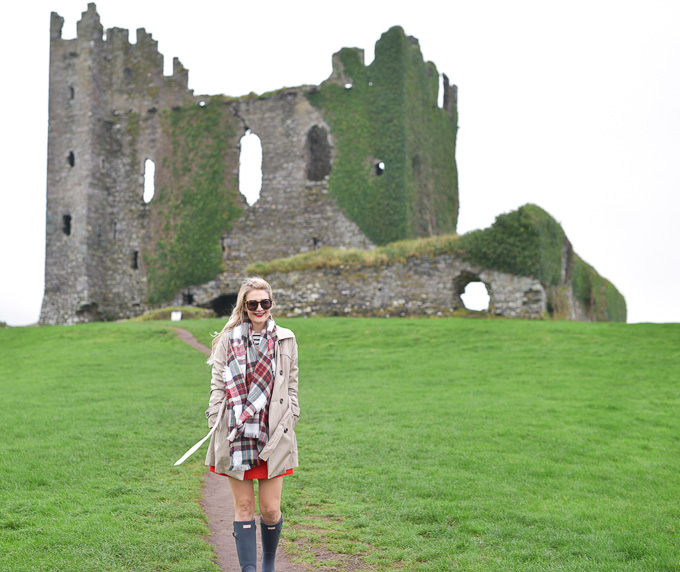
point(424, 445)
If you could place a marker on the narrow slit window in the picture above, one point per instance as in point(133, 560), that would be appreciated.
point(67, 225)
point(442, 91)
point(135, 260)
point(149, 180)
point(71, 159)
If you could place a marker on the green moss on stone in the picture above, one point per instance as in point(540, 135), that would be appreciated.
point(525, 242)
point(599, 296)
point(390, 115)
point(529, 242)
point(190, 215)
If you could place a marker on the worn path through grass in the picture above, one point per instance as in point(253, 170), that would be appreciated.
point(490, 445)
point(424, 445)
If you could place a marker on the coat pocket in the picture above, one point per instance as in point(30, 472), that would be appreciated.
point(279, 444)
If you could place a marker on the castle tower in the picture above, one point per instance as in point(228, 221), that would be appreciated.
point(104, 95)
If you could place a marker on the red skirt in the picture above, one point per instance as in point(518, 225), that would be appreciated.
point(258, 472)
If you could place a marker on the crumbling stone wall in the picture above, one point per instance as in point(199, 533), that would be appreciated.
point(420, 286)
point(110, 111)
point(294, 212)
point(365, 158)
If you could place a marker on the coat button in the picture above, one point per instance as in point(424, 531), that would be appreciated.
point(285, 430)
point(281, 400)
point(281, 372)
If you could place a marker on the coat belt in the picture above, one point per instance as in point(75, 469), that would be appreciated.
point(198, 445)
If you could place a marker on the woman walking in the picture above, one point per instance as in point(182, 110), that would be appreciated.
point(252, 414)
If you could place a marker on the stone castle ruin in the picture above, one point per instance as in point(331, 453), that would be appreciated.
point(362, 160)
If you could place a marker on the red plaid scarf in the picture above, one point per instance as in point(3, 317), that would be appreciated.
point(249, 379)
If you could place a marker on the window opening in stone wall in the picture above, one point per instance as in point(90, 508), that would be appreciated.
point(67, 225)
point(476, 297)
point(135, 260)
point(379, 168)
point(71, 159)
point(250, 167)
point(149, 180)
point(115, 230)
point(318, 154)
point(72, 92)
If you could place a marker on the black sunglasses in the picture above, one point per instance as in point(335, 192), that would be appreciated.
point(253, 304)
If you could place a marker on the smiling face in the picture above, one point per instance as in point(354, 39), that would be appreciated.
point(259, 316)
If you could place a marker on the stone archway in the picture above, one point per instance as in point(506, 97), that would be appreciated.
point(461, 282)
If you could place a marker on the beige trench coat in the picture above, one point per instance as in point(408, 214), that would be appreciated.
point(280, 452)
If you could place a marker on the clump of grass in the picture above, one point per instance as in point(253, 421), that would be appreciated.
point(335, 257)
point(188, 313)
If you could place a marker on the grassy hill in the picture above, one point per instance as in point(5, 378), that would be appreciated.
point(424, 445)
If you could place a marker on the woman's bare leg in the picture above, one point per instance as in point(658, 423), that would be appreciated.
point(244, 499)
point(269, 493)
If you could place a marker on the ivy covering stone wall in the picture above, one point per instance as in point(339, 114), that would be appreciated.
point(394, 171)
point(530, 242)
point(527, 242)
point(197, 198)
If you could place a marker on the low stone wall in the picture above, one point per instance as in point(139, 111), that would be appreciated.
point(420, 286)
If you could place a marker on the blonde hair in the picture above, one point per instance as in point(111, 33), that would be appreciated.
point(238, 314)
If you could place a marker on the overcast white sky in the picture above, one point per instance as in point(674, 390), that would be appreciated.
point(574, 106)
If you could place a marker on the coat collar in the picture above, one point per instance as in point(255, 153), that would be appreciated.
point(284, 333)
